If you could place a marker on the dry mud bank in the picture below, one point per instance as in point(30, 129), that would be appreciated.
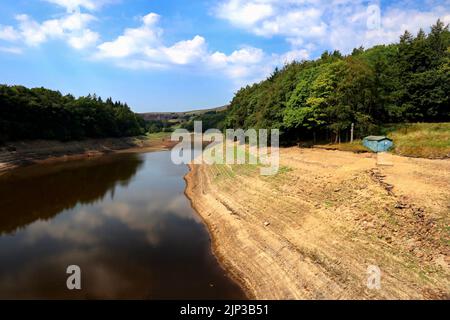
point(23, 153)
point(311, 231)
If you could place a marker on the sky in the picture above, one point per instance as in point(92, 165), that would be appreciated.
point(178, 55)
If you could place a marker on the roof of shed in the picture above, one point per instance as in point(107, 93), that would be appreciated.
point(376, 138)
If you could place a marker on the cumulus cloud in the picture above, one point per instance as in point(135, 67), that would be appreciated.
point(308, 26)
point(355, 31)
point(134, 40)
point(270, 17)
point(144, 47)
point(336, 24)
point(250, 64)
point(70, 27)
point(87, 38)
point(245, 63)
point(8, 33)
point(245, 14)
point(186, 51)
point(74, 5)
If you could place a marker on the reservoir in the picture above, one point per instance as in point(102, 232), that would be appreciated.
point(122, 218)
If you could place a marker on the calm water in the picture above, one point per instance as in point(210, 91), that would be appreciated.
point(124, 219)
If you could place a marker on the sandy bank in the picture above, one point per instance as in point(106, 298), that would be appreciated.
point(16, 154)
point(312, 231)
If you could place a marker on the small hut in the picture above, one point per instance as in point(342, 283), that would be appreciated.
point(378, 143)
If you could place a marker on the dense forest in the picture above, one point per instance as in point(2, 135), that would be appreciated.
point(404, 82)
point(45, 114)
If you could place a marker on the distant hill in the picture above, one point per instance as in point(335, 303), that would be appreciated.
point(178, 116)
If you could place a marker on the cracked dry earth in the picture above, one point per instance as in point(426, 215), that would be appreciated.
point(312, 230)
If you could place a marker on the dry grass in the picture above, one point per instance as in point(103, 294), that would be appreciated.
point(419, 140)
point(356, 146)
point(157, 136)
point(424, 140)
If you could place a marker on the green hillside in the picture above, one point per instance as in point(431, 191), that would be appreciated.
point(319, 100)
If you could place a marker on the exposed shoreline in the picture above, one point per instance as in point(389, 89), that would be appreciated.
point(231, 272)
point(24, 153)
point(312, 231)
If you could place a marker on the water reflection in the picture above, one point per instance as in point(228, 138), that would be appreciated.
point(40, 192)
point(123, 219)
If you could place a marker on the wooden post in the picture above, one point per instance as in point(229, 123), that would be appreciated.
point(351, 132)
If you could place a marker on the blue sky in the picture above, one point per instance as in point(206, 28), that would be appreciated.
point(175, 55)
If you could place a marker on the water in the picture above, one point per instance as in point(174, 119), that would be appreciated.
point(123, 219)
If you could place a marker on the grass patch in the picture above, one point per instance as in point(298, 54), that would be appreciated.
point(251, 166)
point(284, 169)
point(425, 140)
point(421, 140)
point(158, 135)
point(328, 203)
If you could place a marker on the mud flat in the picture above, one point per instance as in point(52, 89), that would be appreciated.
point(313, 230)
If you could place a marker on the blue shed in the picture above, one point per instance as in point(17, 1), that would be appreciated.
point(378, 143)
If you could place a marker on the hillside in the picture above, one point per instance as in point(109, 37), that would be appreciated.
point(319, 100)
point(179, 116)
point(168, 121)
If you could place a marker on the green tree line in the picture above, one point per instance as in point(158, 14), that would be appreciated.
point(40, 113)
point(210, 119)
point(404, 82)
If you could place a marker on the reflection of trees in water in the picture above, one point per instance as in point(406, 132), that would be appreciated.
point(41, 192)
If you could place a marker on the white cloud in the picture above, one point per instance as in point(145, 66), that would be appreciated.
point(86, 39)
point(73, 5)
point(186, 51)
point(267, 18)
point(249, 64)
point(246, 64)
point(8, 33)
point(32, 32)
point(294, 55)
point(13, 50)
point(394, 21)
point(244, 14)
point(133, 41)
point(143, 47)
point(70, 27)
point(337, 24)
point(247, 55)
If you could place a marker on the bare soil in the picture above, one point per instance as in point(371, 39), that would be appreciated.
point(312, 230)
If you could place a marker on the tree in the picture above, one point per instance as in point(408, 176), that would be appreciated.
point(40, 113)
